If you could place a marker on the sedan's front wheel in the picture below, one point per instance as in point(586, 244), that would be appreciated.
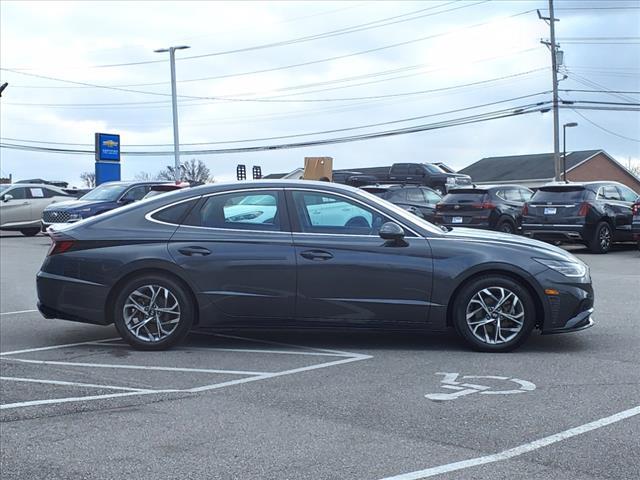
point(153, 312)
point(494, 314)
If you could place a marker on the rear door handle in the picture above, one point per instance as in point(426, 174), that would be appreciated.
point(316, 255)
point(194, 251)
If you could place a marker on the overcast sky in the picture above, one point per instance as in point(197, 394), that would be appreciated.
point(445, 44)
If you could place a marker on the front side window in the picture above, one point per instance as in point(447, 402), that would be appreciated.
point(18, 193)
point(136, 193)
point(240, 211)
point(333, 214)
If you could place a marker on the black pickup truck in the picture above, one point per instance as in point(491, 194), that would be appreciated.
point(426, 174)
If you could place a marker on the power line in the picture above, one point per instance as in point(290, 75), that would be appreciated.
point(283, 67)
point(599, 91)
point(338, 130)
point(277, 98)
point(605, 129)
point(368, 136)
point(331, 33)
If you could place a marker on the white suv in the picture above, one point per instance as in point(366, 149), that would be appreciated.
point(21, 205)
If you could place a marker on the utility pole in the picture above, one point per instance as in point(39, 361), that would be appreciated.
point(174, 105)
point(554, 67)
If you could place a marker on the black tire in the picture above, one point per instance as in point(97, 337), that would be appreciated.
point(505, 225)
point(602, 238)
point(30, 232)
point(464, 298)
point(180, 294)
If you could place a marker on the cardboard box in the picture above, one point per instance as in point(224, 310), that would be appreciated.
point(317, 167)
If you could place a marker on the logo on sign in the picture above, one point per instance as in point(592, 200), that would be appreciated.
point(110, 143)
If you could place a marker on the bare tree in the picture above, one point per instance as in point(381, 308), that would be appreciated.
point(190, 171)
point(146, 177)
point(89, 179)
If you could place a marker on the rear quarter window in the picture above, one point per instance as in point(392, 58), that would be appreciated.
point(176, 213)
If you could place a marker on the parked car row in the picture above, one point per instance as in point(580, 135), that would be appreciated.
point(596, 214)
point(30, 208)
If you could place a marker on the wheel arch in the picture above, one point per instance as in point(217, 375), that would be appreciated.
point(149, 270)
point(521, 277)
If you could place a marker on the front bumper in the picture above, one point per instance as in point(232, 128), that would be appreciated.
point(581, 321)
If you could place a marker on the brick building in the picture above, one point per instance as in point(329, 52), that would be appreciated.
point(535, 170)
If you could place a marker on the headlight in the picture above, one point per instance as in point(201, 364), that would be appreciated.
point(75, 216)
point(568, 269)
point(451, 181)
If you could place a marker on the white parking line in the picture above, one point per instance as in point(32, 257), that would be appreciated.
point(71, 399)
point(251, 376)
point(18, 311)
point(519, 450)
point(74, 384)
point(241, 350)
point(134, 367)
point(54, 347)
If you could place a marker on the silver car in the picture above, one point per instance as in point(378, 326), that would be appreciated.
point(21, 205)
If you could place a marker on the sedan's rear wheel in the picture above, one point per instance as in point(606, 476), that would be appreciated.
point(494, 314)
point(153, 312)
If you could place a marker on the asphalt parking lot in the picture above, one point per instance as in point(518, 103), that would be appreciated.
point(77, 403)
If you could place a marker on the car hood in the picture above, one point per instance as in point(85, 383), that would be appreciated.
point(535, 247)
point(75, 204)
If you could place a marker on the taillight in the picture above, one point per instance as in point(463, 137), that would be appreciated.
point(584, 209)
point(525, 209)
point(60, 247)
point(635, 208)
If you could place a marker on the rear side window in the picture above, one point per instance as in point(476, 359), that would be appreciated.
point(559, 194)
point(174, 214)
point(397, 195)
point(432, 197)
point(512, 195)
point(609, 192)
point(470, 197)
point(239, 211)
point(526, 194)
point(415, 195)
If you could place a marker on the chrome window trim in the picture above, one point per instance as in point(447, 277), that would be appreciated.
point(149, 215)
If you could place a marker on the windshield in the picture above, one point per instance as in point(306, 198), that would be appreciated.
point(410, 218)
point(106, 192)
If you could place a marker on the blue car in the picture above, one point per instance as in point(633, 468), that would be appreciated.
point(101, 199)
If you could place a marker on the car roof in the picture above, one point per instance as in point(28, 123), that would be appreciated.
point(134, 182)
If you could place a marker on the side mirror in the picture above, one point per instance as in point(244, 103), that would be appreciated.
point(6, 197)
point(391, 231)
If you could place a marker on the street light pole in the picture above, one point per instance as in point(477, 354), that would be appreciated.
point(174, 105)
point(564, 148)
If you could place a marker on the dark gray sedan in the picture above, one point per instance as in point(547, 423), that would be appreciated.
point(296, 254)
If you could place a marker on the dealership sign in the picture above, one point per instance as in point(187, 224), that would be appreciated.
point(107, 147)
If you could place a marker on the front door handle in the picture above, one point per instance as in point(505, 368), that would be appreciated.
point(194, 251)
point(316, 255)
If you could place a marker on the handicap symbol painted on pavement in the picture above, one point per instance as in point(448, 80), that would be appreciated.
point(450, 382)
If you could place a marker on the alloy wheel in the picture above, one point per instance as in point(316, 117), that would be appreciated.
point(495, 315)
point(151, 313)
point(605, 238)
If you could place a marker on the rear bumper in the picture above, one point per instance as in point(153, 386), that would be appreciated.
point(69, 298)
point(553, 232)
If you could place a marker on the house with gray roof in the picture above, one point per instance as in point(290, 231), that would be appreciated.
point(535, 170)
